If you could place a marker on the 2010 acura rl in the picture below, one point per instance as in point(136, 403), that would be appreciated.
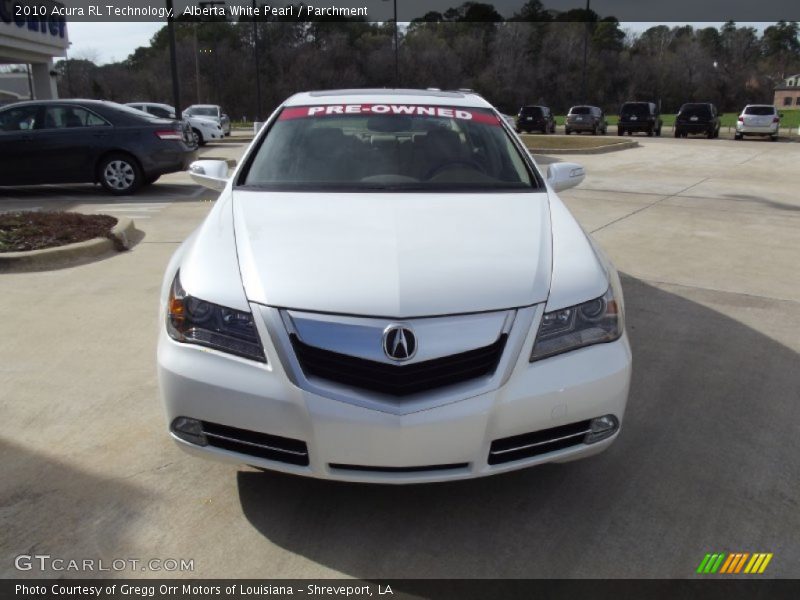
point(388, 290)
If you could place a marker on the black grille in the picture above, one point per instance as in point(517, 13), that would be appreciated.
point(422, 469)
point(253, 443)
point(538, 442)
point(398, 380)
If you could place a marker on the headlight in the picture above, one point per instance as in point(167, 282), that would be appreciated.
point(194, 321)
point(593, 322)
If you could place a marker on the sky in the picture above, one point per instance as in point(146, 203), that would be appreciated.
point(104, 43)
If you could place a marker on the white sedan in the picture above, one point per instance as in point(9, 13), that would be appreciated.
point(389, 290)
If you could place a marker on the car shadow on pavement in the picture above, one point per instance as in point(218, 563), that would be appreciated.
point(707, 461)
point(50, 508)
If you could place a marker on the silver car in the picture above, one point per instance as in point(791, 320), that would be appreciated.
point(758, 119)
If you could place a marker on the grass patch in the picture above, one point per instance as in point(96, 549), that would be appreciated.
point(23, 231)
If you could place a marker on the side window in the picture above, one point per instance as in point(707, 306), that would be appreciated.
point(63, 117)
point(23, 118)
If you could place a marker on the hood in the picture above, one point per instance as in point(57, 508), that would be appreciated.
point(393, 255)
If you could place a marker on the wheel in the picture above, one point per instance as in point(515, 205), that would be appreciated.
point(650, 132)
point(737, 136)
point(594, 130)
point(658, 132)
point(228, 134)
point(710, 134)
point(620, 131)
point(567, 131)
point(198, 137)
point(120, 174)
point(773, 138)
point(544, 130)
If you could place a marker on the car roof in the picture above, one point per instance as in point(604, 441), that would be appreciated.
point(203, 106)
point(764, 105)
point(583, 106)
point(75, 101)
point(388, 96)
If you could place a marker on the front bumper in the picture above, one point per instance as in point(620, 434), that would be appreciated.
point(353, 443)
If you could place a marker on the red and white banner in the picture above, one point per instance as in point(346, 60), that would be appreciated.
point(446, 112)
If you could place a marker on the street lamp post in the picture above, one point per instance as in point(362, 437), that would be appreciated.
point(258, 69)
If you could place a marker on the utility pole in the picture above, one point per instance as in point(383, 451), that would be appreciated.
point(196, 65)
point(396, 49)
point(173, 63)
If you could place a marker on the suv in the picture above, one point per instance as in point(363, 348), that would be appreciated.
point(210, 111)
point(697, 117)
point(585, 118)
point(539, 118)
point(639, 116)
point(758, 119)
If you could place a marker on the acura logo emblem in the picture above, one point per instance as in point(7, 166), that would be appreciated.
point(399, 343)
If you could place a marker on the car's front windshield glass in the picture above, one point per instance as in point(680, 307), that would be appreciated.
point(388, 147)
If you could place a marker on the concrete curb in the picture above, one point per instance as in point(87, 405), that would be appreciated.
point(610, 147)
point(64, 256)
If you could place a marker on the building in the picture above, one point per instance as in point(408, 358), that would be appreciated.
point(33, 41)
point(788, 94)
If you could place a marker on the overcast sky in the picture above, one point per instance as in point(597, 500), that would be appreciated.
point(111, 42)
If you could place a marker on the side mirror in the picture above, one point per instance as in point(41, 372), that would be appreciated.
point(212, 174)
point(562, 176)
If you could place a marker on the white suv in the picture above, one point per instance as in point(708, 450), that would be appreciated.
point(758, 119)
point(388, 289)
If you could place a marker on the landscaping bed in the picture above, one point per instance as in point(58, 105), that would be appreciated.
point(25, 231)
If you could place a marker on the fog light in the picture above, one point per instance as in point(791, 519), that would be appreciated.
point(601, 428)
point(189, 430)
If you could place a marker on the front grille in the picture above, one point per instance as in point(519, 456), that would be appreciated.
point(253, 443)
point(398, 380)
point(532, 444)
point(423, 469)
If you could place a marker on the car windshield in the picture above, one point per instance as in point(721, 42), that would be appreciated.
point(388, 147)
point(204, 111)
point(759, 110)
point(638, 109)
point(695, 110)
point(530, 111)
point(580, 110)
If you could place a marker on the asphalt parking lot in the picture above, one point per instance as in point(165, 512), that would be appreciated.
point(707, 235)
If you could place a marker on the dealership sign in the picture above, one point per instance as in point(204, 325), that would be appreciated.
point(41, 22)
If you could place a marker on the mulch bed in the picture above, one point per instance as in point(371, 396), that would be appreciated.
point(22, 231)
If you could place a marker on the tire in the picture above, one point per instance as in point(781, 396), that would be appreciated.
point(544, 130)
point(567, 131)
point(658, 132)
point(120, 174)
point(773, 138)
point(677, 133)
point(650, 132)
point(620, 131)
point(710, 134)
point(198, 137)
point(594, 130)
point(737, 136)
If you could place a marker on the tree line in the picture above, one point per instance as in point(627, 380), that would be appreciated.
point(534, 57)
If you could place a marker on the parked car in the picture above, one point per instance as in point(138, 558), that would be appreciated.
point(212, 111)
point(202, 129)
point(388, 289)
point(535, 118)
point(639, 116)
point(88, 141)
point(758, 119)
point(586, 118)
point(697, 117)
